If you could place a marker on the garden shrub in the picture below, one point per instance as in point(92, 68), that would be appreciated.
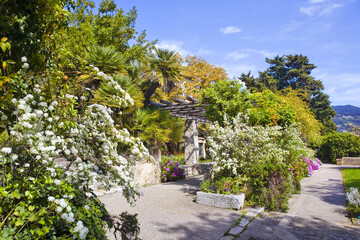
point(224, 185)
point(269, 156)
point(179, 158)
point(268, 109)
point(353, 197)
point(171, 169)
point(338, 145)
point(128, 226)
point(41, 198)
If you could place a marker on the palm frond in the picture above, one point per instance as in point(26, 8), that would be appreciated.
point(107, 59)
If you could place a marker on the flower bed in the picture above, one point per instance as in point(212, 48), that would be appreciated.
point(353, 198)
point(171, 171)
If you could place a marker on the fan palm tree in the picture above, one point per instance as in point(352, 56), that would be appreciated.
point(167, 70)
point(106, 59)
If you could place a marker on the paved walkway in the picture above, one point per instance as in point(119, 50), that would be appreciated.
point(169, 211)
point(318, 212)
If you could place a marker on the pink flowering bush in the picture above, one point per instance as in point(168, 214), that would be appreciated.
point(312, 164)
point(171, 171)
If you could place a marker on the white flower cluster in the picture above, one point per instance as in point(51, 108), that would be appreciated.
point(238, 145)
point(91, 143)
point(353, 196)
point(119, 97)
point(63, 208)
point(25, 64)
point(81, 229)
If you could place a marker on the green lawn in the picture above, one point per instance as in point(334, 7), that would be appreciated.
point(351, 177)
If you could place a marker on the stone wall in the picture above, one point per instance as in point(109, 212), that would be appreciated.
point(146, 173)
point(348, 161)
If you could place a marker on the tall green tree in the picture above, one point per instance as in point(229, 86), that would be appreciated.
point(30, 27)
point(166, 69)
point(109, 27)
point(294, 71)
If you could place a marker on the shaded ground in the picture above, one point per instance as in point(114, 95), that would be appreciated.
point(318, 212)
point(169, 211)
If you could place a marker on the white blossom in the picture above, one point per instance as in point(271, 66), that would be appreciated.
point(6, 150)
point(57, 182)
point(25, 65)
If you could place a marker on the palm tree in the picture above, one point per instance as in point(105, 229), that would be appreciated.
point(167, 70)
point(106, 59)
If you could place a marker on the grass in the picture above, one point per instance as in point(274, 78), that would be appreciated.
point(351, 177)
point(204, 160)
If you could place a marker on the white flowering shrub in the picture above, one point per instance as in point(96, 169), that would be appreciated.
point(266, 159)
point(353, 197)
point(59, 149)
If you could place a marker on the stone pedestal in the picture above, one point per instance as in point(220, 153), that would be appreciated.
point(191, 142)
point(202, 143)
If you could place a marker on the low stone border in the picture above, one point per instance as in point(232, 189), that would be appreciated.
point(238, 228)
point(221, 201)
point(348, 161)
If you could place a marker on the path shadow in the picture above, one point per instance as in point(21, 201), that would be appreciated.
point(189, 185)
point(202, 226)
point(300, 228)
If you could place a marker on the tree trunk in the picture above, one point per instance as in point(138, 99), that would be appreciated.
point(151, 90)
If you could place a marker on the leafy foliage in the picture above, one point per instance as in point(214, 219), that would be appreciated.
point(171, 171)
point(270, 157)
point(156, 127)
point(198, 75)
point(30, 27)
point(59, 148)
point(228, 98)
point(225, 98)
point(167, 70)
point(107, 59)
point(224, 185)
point(310, 127)
point(293, 71)
point(128, 226)
point(338, 145)
point(111, 27)
point(268, 109)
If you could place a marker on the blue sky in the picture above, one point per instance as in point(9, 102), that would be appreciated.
point(238, 35)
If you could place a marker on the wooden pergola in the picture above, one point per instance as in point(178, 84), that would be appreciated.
point(193, 112)
point(186, 109)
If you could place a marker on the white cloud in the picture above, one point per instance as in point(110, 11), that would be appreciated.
point(236, 55)
point(235, 70)
point(173, 45)
point(247, 52)
point(204, 52)
point(342, 88)
point(330, 8)
point(311, 10)
point(316, 1)
point(320, 7)
point(291, 26)
point(230, 30)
